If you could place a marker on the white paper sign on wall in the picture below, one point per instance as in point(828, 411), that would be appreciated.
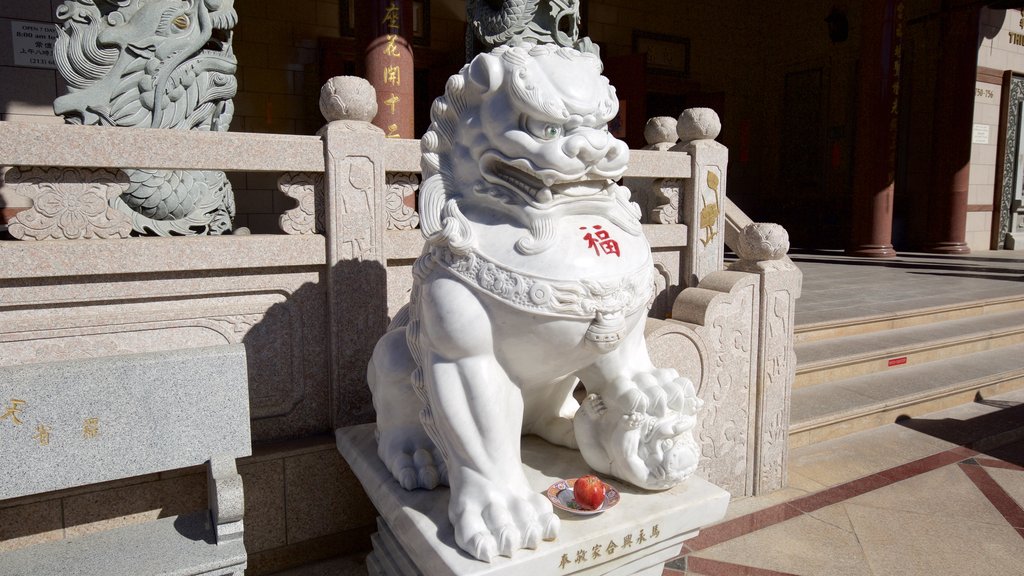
point(32, 44)
point(980, 134)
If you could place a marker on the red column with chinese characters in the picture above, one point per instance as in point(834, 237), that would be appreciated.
point(389, 64)
point(877, 117)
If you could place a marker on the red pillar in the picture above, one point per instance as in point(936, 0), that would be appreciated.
point(877, 120)
point(954, 116)
point(385, 26)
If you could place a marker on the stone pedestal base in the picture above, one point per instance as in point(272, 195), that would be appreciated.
point(1014, 241)
point(640, 534)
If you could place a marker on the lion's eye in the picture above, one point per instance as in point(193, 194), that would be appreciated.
point(181, 22)
point(543, 130)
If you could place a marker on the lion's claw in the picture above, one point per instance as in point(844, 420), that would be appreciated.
point(482, 546)
point(509, 539)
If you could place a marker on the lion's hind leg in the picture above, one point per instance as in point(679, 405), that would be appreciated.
point(402, 443)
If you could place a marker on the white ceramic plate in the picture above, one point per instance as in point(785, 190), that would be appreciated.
point(560, 494)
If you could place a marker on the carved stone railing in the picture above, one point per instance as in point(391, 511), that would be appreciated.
point(731, 328)
point(310, 303)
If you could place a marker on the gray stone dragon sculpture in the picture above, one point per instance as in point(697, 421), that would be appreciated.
point(497, 22)
point(163, 64)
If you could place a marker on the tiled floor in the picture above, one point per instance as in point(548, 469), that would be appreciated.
point(941, 494)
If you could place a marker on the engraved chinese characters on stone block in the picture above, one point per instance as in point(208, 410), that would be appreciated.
point(535, 276)
point(77, 422)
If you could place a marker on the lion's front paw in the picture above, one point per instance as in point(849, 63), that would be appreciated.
point(656, 392)
point(498, 518)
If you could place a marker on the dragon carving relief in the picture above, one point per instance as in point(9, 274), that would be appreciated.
point(165, 64)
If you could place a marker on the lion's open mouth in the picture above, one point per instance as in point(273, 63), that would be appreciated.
point(541, 188)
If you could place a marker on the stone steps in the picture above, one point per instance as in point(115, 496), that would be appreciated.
point(858, 374)
point(829, 360)
point(875, 323)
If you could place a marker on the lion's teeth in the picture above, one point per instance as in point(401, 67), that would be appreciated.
point(544, 195)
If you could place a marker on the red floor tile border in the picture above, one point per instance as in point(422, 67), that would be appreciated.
point(708, 567)
point(731, 529)
point(1003, 502)
point(842, 492)
point(928, 463)
point(993, 463)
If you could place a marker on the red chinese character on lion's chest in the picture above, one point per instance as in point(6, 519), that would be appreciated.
point(600, 240)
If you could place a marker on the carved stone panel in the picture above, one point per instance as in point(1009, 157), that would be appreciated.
point(722, 311)
point(283, 330)
point(666, 198)
point(780, 284)
point(308, 190)
point(704, 195)
point(400, 201)
point(773, 409)
point(357, 281)
point(68, 204)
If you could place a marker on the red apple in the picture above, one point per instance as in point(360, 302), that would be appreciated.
point(588, 492)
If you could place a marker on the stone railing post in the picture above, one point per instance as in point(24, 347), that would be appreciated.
point(703, 194)
point(355, 222)
point(658, 197)
point(762, 250)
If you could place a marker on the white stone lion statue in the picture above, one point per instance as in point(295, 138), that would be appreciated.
point(535, 277)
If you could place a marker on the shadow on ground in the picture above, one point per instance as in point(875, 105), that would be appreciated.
point(999, 434)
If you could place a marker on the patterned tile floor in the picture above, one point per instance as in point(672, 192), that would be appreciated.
point(940, 494)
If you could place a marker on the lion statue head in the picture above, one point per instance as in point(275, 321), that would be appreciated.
point(510, 137)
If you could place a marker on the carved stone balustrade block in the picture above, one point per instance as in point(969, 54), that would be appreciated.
point(763, 252)
point(666, 199)
point(308, 190)
point(703, 195)
point(69, 204)
point(400, 201)
point(357, 279)
point(658, 197)
point(761, 241)
point(348, 98)
point(723, 312)
point(660, 133)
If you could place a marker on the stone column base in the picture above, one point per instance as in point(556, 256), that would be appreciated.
point(872, 251)
point(638, 536)
point(1014, 241)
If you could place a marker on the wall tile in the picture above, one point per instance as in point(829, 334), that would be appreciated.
point(263, 484)
point(323, 496)
point(30, 524)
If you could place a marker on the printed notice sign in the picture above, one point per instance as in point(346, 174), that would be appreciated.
point(980, 134)
point(32, 43)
